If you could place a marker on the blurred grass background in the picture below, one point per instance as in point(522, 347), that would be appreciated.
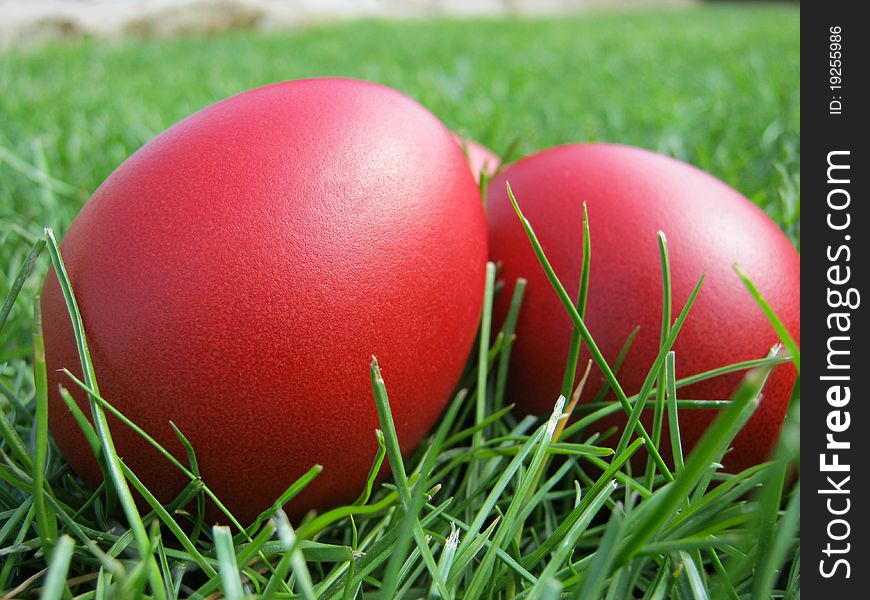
point(717, 86)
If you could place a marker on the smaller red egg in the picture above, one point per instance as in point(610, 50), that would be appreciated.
point(480, 158)
point(631, 194)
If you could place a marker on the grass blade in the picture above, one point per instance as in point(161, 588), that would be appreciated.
point(510, 324)
point(410, 502)
point(667, 315)
point(485, 333)
point(55, 579)
point(445, 562)
point(673, 414)
point(229, 569)
point(582, 294)
point(777, 324)
point(293, 552)
point(46, 520)
point(291, 492)
point(18, 283)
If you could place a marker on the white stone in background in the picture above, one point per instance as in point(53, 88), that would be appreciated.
point(33, 21)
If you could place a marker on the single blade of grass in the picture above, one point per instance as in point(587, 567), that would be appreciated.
point(374, 470)
point(163, 561)
point(777, 324)
point(320, 522)
point(659, 407)
point(18, 283)
point(673, 414)
point(572, 405)
point(746, 365)
point(188, 447)
point(485, 333)
point(690, 580)
point(46, 521)
point(508, 329)
point(584, 333)
point(291, 492)
point(293, 557)
point(14, 442)
point(58, 567)
point(445, 562)
point(394, 455)
point(582, 295)
point(793, 584)
point(508, 154)
point(82, 421)
point(469, 431)
point(229, 569)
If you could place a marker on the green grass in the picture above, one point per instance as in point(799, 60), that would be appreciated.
point(490, 506)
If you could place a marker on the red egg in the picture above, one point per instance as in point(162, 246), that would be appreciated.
point(631, 194)
point(481, 160)
point(236, 275)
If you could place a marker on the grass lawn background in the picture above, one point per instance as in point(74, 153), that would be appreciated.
point(717, 86)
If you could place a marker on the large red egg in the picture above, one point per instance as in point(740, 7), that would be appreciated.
point(631, 194)
point(237, 273)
